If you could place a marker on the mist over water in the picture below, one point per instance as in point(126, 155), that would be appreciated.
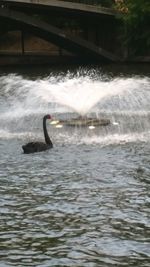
point(84, 203)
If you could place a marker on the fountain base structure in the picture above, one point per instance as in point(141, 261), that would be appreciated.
point(82, 122)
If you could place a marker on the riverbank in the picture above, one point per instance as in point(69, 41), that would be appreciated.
point(12, 59)
point(35, 59)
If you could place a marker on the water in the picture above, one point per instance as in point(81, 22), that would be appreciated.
point(85, 202)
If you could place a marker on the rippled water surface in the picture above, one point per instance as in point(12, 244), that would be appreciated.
point(86, 202)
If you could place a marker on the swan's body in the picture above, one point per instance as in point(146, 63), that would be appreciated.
point(33, 147)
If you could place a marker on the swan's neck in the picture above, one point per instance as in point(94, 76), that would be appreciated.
point(47, 139)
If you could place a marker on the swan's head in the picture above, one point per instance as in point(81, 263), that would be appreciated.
point(48, 116)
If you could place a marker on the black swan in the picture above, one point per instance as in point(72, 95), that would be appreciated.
point(33, 147)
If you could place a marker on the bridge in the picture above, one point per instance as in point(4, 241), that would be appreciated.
point(25, 15)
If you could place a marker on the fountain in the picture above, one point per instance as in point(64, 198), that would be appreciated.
point(82, 121)
point(78, 104)
point(79, 95)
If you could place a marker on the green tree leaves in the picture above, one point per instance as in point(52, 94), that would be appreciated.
point(137, 25)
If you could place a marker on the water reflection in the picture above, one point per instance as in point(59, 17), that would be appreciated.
point(52, 218)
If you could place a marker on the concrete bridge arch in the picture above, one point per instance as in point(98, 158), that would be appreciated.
point(74, 44)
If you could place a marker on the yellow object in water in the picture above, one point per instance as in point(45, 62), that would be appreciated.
point(91, 127)
point(54, 122)
point(59, 126)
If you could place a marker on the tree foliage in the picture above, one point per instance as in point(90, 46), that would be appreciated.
point(137, 24)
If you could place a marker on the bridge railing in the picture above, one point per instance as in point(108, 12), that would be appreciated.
point(105, 3)
point(101, 3)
